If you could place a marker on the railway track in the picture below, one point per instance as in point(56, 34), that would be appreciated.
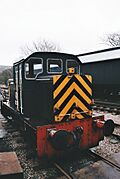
point(104, 160)
point(67, 174)
point(95, 156)
point(115, 110)
point(112, 109)
point(107, 106)
point(107, 103)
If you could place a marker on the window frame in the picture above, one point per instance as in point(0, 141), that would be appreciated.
point(67, 65)
point(33, 63)
point(55, 60)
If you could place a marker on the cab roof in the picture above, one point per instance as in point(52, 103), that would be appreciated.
point(45, 55)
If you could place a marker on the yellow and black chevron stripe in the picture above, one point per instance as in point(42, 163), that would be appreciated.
point(72, 96)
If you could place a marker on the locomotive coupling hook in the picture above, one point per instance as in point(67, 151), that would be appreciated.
point(108, 127)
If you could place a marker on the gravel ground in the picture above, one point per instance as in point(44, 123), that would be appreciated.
point(117, 130)
point(32, 167)
point(29, 161)
point(108, 146)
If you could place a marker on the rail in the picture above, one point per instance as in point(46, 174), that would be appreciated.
point(64, 172)
point(104, 159)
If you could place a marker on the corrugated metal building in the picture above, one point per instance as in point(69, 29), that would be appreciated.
point(104, 66)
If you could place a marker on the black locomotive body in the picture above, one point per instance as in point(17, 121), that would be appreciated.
point(33, 84)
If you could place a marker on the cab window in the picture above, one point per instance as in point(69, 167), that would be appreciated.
point(54, 65)
point(72, 63)
point(33, 67)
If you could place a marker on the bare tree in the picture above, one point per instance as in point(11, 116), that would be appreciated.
point(5, 75)
point(42, 45)
point(112, 40)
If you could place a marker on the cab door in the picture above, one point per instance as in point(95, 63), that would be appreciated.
point(16, 88)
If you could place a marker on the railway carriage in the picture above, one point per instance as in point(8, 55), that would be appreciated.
point(51, 101)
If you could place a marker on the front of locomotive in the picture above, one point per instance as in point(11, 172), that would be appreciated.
point(73, 125)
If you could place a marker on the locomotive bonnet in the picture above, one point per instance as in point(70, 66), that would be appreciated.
point(51, 102)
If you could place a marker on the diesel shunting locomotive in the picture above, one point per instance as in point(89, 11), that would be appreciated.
point(51, 101)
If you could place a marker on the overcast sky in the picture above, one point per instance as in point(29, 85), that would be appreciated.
point(77, 26)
